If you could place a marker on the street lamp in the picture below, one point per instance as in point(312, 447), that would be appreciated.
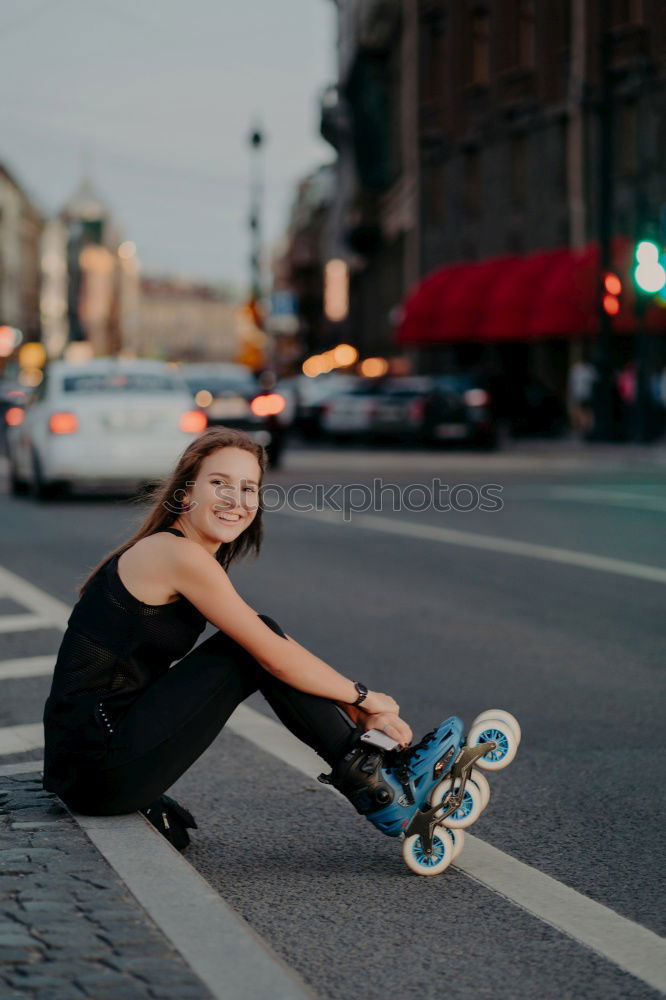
point(256, 141)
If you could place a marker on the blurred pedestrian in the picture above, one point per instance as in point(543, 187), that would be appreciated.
point(627, 387)
point(580, 393)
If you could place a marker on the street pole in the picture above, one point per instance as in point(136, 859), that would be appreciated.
point(603, 424)
point(256, 141)
point(642, 401)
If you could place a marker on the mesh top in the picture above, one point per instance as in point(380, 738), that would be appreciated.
point(114, 647)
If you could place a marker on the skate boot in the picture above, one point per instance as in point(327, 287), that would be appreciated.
point(428, 792)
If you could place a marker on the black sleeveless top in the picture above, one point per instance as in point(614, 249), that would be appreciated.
point(114, 647)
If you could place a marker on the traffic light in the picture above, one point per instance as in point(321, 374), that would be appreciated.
point(612, 292)
point(649, 272)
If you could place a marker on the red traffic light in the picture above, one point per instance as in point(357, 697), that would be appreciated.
point(612, 284)
point(611, 305)
point(612, 291)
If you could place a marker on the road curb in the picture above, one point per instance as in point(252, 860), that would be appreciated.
point(153, 915)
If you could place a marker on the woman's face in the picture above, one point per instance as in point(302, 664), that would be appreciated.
point(224, 498)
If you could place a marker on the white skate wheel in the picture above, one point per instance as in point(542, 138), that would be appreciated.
point(501, 733)
point(458, 842)
point(499, 713)
point(479, 778)
point(469, 809)
point(416, 859)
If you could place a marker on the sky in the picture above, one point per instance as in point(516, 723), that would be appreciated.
point(155, 99)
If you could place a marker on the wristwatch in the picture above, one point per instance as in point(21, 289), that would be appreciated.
point(362, 693)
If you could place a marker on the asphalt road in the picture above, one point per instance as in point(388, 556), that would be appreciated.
point(576, 652)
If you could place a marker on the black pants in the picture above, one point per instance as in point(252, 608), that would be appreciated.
point(180, 715)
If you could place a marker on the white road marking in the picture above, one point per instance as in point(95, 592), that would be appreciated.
point(53, 611)
point(489, 543)
point(18, 739)
point(217, 944)
point(27, 666)
point(628, 945)
point(24, 623)
point(24, 767)
point(612, 498)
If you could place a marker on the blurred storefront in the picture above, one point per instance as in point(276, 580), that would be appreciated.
point(21, 225)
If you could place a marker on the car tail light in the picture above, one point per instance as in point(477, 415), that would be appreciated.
point(63, 423)
point(14, 416)
point(476, 397)
point(193, 421)
point(416, 410)
point(268, 404)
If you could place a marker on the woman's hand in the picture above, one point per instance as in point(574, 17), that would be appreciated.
point(376, 703)
point(391, 724)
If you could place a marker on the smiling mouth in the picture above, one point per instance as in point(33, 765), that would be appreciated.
point(229, 518)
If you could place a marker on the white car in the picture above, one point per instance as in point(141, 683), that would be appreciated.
point(104, 421)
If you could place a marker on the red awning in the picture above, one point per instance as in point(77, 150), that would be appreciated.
point(511, 299)
point(554, 293)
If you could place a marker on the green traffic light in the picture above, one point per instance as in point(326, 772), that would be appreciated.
point(649, 273)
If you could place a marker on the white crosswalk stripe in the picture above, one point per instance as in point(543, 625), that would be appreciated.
point(19, 739)
point(27, 666)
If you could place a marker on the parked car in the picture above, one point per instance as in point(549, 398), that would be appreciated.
point(400, 406)
point(223, 391)
point(106, 421)
point(312, 394)
point(349, 412)
point(459, 409)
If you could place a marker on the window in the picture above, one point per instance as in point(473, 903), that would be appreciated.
point(626, 138)
point(119, 382)
point(480, 52)
point(526, 35)
point(518, 170)
point(472, 181)
point(626, 12)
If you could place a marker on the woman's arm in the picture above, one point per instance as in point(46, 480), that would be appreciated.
point(198, 576)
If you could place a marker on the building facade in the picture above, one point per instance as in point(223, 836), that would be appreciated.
point(472, 130)
point(21, 225)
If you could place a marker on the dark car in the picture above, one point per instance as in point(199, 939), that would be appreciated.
point(459, 409)
point(224, 392)
point(399, 407)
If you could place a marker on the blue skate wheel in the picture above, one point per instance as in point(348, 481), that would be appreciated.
point(499, 732)
point(469, 809)
point(417, 860)
point(499, 713)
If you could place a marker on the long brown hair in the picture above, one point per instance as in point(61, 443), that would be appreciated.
point(166, 504)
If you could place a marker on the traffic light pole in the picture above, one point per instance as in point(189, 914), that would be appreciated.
point(603, 424)
point(642, 423)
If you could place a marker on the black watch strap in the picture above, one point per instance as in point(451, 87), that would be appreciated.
point(362, 693)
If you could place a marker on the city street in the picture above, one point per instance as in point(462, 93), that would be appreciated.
point(550, 607)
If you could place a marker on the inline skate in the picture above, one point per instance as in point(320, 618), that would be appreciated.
point(430, 792)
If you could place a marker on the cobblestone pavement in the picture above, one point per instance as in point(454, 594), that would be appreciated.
point(69, 927)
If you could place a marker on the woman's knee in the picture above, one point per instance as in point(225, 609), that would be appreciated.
point(272, 625)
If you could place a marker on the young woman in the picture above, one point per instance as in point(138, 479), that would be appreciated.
point(122, 724)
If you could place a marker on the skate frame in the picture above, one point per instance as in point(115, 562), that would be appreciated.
point(424, 822)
